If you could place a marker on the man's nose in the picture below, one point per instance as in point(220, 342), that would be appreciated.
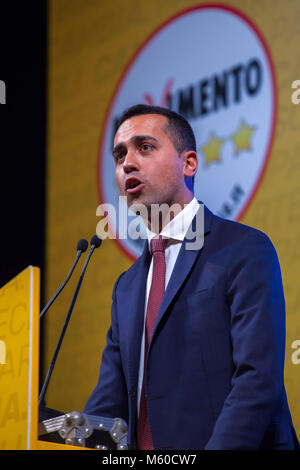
point(131, 162)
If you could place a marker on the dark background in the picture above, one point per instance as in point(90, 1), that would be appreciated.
point(23, 68)
point(23, 55)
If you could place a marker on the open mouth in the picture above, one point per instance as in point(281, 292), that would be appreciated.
point(133, 185)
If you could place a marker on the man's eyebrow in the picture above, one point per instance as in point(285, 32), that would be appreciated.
point(140, 138)
point(135, 139)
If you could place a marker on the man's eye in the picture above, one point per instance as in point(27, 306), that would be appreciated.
point(146, 147)
point(119, 155)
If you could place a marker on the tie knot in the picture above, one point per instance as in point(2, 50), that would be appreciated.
point(158, 244)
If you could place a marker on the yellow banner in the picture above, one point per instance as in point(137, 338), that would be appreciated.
point(19, 307)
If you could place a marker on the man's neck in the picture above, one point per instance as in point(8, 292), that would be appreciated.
point(160, 215)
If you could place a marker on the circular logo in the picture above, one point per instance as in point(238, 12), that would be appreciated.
point(210, 64)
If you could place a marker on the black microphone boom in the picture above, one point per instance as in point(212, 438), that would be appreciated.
point(81, 248)
point(95, 243)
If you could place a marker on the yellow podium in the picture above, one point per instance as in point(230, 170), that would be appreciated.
point(19, 364)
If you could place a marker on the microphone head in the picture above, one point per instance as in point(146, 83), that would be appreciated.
point(82, 245)
point(96, 241)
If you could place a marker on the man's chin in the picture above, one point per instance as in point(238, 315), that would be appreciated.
point(138, 206)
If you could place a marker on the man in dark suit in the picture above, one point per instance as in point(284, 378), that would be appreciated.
point(195, 352)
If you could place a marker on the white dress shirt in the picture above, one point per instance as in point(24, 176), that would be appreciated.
point(175, 232)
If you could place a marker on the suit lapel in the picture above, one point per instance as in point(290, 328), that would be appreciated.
point(134, 304)
point(188, 254)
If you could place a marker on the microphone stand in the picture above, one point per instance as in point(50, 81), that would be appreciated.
point(81, 247)
point(50, 370)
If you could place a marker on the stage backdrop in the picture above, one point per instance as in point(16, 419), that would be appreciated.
point(231, 70)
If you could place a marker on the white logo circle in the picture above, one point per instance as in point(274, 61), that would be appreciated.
point(210, 64)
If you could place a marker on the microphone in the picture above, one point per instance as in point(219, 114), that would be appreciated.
point(81, 248)
point(95, 243)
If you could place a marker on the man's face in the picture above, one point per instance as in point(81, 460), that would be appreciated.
point(148, 167)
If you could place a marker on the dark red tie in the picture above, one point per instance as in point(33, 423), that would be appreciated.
point(154, 301)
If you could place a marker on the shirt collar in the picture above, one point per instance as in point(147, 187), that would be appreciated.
point(176, 229)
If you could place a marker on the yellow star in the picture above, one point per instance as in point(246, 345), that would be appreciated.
point(211, 150)
point(242, 137)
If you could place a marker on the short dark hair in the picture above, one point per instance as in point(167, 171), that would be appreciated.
point(177, 128)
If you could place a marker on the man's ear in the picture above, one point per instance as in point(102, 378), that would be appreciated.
point(190, 163)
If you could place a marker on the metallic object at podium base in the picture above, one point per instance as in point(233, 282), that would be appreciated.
point(79, 429)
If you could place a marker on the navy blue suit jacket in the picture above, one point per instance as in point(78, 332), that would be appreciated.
point(214, 372)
